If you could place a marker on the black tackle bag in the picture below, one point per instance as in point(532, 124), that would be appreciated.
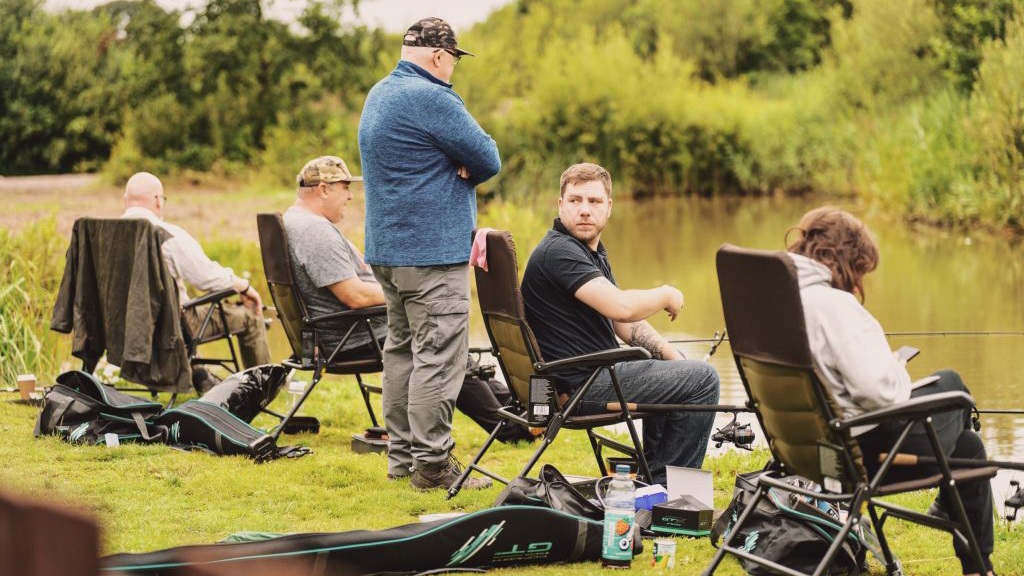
point(494, 537)
point(792, 530)
point(80, 409)
point(246, 393)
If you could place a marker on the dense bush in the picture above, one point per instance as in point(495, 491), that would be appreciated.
point(914, 104)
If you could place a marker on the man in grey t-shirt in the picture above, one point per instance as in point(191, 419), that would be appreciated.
point(329, 270)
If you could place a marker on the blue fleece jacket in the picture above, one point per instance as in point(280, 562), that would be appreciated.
point(414, 134)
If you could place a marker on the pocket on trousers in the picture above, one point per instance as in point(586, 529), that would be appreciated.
point(446, 322)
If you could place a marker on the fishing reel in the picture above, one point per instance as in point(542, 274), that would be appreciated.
point(474, 369)
point(1016, 501)
point(741, 435)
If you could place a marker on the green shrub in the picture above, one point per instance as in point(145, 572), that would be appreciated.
point(33, 262)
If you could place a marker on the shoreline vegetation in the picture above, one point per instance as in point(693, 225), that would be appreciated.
point(915, 107)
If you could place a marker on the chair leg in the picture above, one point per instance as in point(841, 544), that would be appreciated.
point(630, 425)
point(317, 375)
point(554, 426)
point(726, 545)
point(473, 464)
point(892, 564)
point(597, 447)
point(958, 505)
point(366, 400)
point(837, 543)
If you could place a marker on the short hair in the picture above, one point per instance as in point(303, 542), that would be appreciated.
point(839, 241)
point(584, 172)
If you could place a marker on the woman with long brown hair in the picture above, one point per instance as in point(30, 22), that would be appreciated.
point(833, 251)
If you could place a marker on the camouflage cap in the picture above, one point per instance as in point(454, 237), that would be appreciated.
point(325, 169)
point(433, 33)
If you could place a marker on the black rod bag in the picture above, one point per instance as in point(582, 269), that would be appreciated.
point(494, 537)
point(246, 393)
point(199, 425)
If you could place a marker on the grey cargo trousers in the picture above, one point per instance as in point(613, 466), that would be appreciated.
point(424, 361)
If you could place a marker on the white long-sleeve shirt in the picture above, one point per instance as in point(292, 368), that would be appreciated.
point(185, 258)
point(848, 345)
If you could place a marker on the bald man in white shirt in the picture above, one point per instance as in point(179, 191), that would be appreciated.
point(144, 198)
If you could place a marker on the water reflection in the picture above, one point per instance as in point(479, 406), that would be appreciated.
point(928, 281)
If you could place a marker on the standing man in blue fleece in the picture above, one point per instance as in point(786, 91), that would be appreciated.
point(423, 154)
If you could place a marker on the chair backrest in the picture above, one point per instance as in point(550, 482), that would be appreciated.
point(277, 266)
point(765, 321)
point(118, 297)
point(501, 304)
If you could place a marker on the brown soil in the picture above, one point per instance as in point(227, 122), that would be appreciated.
point(205, 210)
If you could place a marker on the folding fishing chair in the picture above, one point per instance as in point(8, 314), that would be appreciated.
point(118, 297)
point(806, 434)
point(519, 357)
point(304, 331)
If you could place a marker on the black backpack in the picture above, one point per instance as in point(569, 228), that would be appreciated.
point(80, 409)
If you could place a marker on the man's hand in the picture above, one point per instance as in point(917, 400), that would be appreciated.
point(251, 299)
point(675, 301)
point(463, 172)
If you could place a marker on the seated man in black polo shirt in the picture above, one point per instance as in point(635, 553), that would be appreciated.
point(574, 307)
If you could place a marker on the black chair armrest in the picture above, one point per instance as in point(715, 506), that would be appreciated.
point(368, 312)
point(913, 408)
point(211, 297)
point(603, 358)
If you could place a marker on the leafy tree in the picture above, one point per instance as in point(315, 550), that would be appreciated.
point(966, 25)
point(57, 114)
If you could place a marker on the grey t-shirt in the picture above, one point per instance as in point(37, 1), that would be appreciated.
point(321, 256)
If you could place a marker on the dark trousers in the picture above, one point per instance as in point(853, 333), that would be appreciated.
point(478, 399)
point(958, 440)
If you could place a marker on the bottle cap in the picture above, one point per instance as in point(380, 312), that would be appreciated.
point(622, 468)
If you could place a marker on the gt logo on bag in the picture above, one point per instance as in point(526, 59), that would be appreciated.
point(532, 549)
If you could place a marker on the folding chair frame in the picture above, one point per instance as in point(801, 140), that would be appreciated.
point(563, 417)
point(304, 330)
point(216, 302)
point(755, 329)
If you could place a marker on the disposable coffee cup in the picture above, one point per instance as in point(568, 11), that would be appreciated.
point(111, 440)
point(26, 385)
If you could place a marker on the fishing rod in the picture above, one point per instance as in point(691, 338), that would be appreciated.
point(904, 459)
point(716, 338)
point(958, 333)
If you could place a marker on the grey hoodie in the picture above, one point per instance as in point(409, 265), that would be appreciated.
point(848, 345)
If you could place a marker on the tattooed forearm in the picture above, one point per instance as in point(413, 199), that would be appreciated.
point(642, 335)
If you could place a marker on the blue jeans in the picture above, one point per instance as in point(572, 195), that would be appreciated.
point(677, 438)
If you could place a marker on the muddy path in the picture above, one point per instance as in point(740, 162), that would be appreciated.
point(224, 210)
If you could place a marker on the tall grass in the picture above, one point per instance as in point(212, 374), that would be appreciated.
point(31, 263)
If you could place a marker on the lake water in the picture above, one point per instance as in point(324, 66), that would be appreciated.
point(928, 281)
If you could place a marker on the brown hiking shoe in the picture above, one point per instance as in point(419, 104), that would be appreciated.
point(445, 476)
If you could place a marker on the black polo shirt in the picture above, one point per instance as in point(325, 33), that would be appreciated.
point(563, 325)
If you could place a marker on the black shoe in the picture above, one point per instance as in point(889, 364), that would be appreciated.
point(937, 510)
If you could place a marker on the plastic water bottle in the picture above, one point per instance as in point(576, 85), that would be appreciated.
point(295, 390)
point(619, 515)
